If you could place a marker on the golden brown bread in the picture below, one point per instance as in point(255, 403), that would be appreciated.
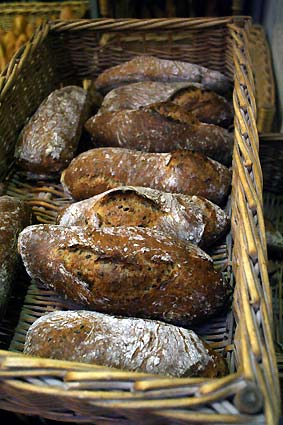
point(186, 172)
point(161, 127)
point(49, 140)
point(14, 216)
point(206, 105)
point(125, 271)
point(150, 68)
point(124, 343)
point(186, 218)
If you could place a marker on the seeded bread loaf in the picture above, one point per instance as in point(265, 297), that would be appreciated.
point(186, 218)
point(50, 139)
point(186, 172)
point(206, 105)
point(124, 343)
point(161, 127)
point(150, 68)
point(125, 271)
point(14, 216)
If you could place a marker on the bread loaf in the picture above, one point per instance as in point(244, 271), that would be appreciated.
point(14, 216)
point(207, 106)
point(186, 172)
point(161, 127)
point(186, 218)
point(150, 68)
point(125, 271)
point(124, 343)
point(49, 140)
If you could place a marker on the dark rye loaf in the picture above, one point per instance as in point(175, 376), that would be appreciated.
point(206, 105)
point(186, 172)
point(125, 271)
point(49, 140)
point(161, 127)
point(14, 216)
point(186, 218)
point(150, 68)
point(124, 343)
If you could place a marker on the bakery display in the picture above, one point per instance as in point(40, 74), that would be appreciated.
point(160, 127)
point(205, 105)
point(125, 343)
point(49, 140)
point(186, 218)
point(183, 171)
point(125, 271)
point(14, 216)
point(151, 68)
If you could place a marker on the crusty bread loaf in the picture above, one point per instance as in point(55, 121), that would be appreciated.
point(206, 105)
point(161, 127)
point(49, 140)
point(150, 68)
point(125, 271)
point(187, 172)
point(186, 218)
point(14, 216)
point(124, 343)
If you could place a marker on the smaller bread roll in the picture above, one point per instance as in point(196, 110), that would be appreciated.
point(184, 171)
point(49, 140)
point(124, 343)
point(150, 68)
point(186, 218)
point(161, 127)
point(206, 105)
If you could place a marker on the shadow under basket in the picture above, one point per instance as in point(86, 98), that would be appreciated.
point(67, 53)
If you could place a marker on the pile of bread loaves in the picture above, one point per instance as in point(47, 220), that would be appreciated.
point(129, 252)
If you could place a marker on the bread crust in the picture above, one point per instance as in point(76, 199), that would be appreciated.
point(187, 218)
point(183, 171)
point(125, 271)
point(124, 343)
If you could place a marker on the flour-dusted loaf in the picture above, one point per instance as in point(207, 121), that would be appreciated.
point(186, 218)
point(50, 139)
point(206, 105)
point(186, 172)
point(123, 343)
point(161, 127)
point(150, 68)
point(125, 271)
point(14, 216)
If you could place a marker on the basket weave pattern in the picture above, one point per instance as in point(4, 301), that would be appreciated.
point(67, 53)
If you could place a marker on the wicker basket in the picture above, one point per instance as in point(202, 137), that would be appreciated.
point(67, 53)
point(264, 79)
point(34, 10)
